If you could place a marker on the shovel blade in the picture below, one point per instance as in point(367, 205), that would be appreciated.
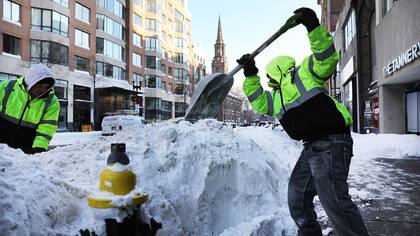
point(208, 97)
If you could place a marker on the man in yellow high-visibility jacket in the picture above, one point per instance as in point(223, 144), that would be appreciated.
point(306, 112)
point(29, 110)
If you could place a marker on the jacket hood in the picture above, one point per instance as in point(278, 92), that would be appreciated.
point(37, 73)
point(285, 63)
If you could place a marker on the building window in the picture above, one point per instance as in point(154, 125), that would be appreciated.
point(166, 106)
point(110, 26)
point(136, 59)
point(179, 27)
point(137, 20)
point(180, 58)
point(137, 2)
point(151, 62)
point(170, 24)
point(81, 93)
point(113, 6)
point(60, 89)
point(82, 13)
point(170, 8)
point(81, 39)
point(178, 15)
point(348, 96)
point(169, 88)
point(109, 49)
point(350, 29)
point(150, 25)
point(180, 89)
point(47, 20)
point(82, 63)
point(179, 42)
point(137, 80)
point(162, 68)
point(163, 19)
point(152, 44)
point(137, 40)
point(62, 2)
point(180, 108)
point(152, 81)
point(49, 52)
point(5, 76)
point(181, 74)
point(170, 71)
point(11, 44)
point(153, 103)
point(109, 70)
point(387, 4)
point(11, 11)
point(151, 6)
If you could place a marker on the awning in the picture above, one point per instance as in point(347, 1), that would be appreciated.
point(119, 90)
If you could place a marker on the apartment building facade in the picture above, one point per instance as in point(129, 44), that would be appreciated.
point(108, 56)
point(378, 74)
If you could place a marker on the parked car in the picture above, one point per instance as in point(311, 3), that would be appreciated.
point(113, 124)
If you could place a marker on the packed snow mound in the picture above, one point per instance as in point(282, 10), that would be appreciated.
point(386, 145)
point(34, 201)
point(202, 178)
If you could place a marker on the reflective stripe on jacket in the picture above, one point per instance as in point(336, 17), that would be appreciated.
point(302, 91)
point(38, 114)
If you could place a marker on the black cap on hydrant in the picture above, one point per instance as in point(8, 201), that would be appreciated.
point(118, 154)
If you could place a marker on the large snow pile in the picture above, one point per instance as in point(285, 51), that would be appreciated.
point(34, 201)
point(203, 179)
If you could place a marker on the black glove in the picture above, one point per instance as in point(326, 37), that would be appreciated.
point(248, 64)
point(33, 150)
point(308, 18)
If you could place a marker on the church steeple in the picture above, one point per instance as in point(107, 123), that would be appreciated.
point(219, 32)
point(219, 63)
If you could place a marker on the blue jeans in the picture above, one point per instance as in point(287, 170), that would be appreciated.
point(322, 169)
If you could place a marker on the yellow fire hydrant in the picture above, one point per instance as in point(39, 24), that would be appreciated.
point(117, 183)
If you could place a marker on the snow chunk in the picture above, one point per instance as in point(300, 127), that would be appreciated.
point(34, 201)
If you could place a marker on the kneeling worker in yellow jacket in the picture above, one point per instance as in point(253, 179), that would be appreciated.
point(29, 110)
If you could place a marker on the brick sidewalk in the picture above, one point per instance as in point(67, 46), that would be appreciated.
point(390, 216)
point(395, 214)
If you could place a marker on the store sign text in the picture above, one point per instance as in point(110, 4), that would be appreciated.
point(404, 59)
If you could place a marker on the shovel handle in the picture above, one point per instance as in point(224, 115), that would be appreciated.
point(290, 23)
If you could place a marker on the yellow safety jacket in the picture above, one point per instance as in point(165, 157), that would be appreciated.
point(300, 100)
point(26, 122)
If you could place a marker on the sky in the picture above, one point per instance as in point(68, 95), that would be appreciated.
point(246, 25)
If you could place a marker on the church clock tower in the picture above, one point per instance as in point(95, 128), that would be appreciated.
point(219, 62)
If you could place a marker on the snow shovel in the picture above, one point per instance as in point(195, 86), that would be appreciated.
point(212, 90)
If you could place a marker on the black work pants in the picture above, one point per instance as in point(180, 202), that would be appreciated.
point(322, 170)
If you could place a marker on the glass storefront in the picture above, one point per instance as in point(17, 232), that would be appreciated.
point(82, 105)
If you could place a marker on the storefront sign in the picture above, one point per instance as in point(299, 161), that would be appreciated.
point(404, 59)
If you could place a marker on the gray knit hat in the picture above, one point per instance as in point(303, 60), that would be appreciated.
point(36, 73)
